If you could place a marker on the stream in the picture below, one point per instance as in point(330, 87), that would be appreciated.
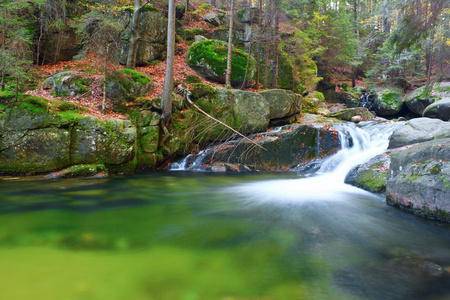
point(194, 235)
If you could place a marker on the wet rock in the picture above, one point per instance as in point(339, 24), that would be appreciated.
point(282, 149)
point(419, 179)
point(370, 176)
point(419, 130)
point(349, 113)
point(356, 119)
point(398, 278)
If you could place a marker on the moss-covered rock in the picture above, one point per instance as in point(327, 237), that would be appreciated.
point(209, 59)
point(111, 142)
point(313, 102)
point(128, 84)
point(439, 110)
point(419, 179)
point(389, 102)
point(418, 100)
point(69, 84)
point(285, 72)
point(370, 176)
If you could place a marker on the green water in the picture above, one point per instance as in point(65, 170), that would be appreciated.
point(190, 236)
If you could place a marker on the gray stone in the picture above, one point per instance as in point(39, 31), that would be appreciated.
point(439, 110)
point(153, 37)
point(282, 103)
point(349, 113)
point(213, 19)
point(370, 176)
point(419, 130)
point(419, 179)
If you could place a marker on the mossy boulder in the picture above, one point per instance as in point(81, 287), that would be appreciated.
point(34, 150)
point(282, 103)
point(370, 176)
point(439, 110)
point(313, 102)
point(418, 100)
point(419, 179)
point(127, 85)
point(349, 113)
point(389, 102)
point(152, 38)
point(147, 124)
point(285, 72)
point(419, 130)
point(69, 84)
point(209, 59)
point(110, 142)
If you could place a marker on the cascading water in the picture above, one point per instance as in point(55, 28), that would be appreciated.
point(359, 144)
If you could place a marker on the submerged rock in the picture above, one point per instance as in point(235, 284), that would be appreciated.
point(419, 179)
point(419, 130)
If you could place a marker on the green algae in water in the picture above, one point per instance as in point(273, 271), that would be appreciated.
point(182, 237)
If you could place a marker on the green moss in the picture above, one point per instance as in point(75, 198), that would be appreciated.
point(33, 105)
point(200, 90)
point(148, 8)
point(214, 54)
point(392, 97)
point(137, 76)
point(192, 79)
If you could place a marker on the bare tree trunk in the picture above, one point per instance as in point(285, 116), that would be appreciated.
point(3, 48)
point(248, 64)
point(258, 54)
point(275, 51)
point(266, 66)
point(134, 39)
point(104, 78)
point(230, 46)
point(166, 101)
point(38, 46)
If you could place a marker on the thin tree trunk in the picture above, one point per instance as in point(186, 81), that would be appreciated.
point(230, 46)
point(58, 46)
point(38, 46)
point(355, 15)
point(166, 101)
point(266, 65)
point(248, 64)
point(104, 78)
point(3, 48)
point(258, 52)
point(275, 52)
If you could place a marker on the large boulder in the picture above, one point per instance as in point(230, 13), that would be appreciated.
point(147, 124)
point(282, 103)
point(34, 151)
point(370, 176)
point(418, 100)
point(110, 142)
point(439, 110)
point(419, 179)
point(152, 38)
point(209, 59)
point(128, 84)
point(349, 113)
point(68, 84)
point(274, 150)
point(419, 130)
point(59, 45)
point(389, 102)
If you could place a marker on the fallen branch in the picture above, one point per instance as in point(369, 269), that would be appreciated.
point(188, 94)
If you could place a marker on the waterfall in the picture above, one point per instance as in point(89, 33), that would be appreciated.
point(359, 143)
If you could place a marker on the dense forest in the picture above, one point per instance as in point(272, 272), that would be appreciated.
point(373, 41)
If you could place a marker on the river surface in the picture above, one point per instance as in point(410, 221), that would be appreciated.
point(195, 236)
